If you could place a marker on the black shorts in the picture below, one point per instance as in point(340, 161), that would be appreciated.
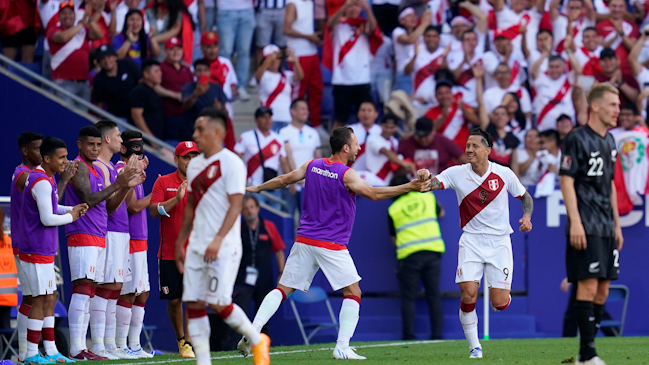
point(25, 37)
point(170, 280)
point(347, 95)
point(599, 260)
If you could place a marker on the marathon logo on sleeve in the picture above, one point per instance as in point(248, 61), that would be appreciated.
point(325, 173)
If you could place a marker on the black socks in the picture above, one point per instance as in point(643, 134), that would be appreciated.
point(586, 322)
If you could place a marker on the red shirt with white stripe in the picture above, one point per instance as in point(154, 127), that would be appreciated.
point(351, 66)
point(377, 162)
point(275, 92)
point(426, 64)
point(607, 31)
point(75, 64)
point(483, 201)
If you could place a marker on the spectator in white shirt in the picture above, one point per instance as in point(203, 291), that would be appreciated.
point(519, 122)
point(302, 144)
point(276, 84)
point(270, 26)
point(382, 158)
point(549, 153)
point(495, 95)
point(429, 58)
point(366, 125)
point(504, 51)
point(526, 165)
point(404, 39)
point(264, 154)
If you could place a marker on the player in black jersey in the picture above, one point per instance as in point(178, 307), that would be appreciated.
point(593, 229)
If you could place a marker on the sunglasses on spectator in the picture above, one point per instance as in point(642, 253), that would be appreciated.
point(66, 4)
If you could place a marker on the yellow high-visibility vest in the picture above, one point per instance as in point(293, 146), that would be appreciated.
point(8, 274)
point(415, 221)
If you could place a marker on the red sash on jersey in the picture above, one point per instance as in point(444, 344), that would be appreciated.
point(204, 180)
point(465, 76)
point(511, 32)
point(278, 89)
point(463, 133)
point(376, 39)
point(478, 199)
point(591, 67)
point(428, 70)
point(556, 100)
point(387, 167)
point(255, 162)
point(515, 69)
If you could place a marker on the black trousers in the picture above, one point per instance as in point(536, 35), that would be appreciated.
point(422, 266)
point(570, 327)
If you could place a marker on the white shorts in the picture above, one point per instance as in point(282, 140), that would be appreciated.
point(41, 277)
point(137, 274)
point(304, 261)
point(212, 283)
point(490, 253)
point(22, 278)
point(84, 262)
point(112, 262)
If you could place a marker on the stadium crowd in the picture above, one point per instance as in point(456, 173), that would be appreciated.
point(411, 77)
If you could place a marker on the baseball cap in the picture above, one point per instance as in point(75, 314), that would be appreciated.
point(460, 20)
point(173, 42)
point(184, 148)
point(564, 117)
point(607, 53)
point(105, 50)
point(269, 50)
point(443, 82)
point(423, 126)
point(209, 38)
point(263, 110)
point(405, 12)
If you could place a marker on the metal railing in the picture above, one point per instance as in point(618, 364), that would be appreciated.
point(100, 112)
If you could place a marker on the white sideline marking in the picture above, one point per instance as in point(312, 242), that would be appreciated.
point(390, 344)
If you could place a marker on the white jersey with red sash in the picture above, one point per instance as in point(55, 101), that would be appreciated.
point(516, 63)
point(601, 7)
point(275, 92)
point(361, 135)
point(493, 98)
point(377, 162)
point(453, 127)
point(508, 23)
point(426, 64)
point(483, 201)
point(351, 55)
point(589, 60)
point(272, 149)
point(560, 31)
point(438, 10)
point(466, 78)
point(553, 98)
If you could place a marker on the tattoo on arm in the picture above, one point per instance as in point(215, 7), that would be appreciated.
point(81, 183)
point(436, 184)
point(528, 203)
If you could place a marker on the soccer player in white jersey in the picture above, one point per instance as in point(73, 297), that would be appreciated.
point(485, 246)
point(216, 182)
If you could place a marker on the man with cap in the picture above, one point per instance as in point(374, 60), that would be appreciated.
point(564, 126)
point(168, 201)
point(112, 85)
point(263, 152)
point(275, 83)
point(429, 150)
point(404, 39)
point(504, 51)
point(614, 73)
point(68, 40)
point(221, 68)
point(175, 74)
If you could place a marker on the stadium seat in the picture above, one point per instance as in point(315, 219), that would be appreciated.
point(148, 335)
point(315, 295)
point(617, 293)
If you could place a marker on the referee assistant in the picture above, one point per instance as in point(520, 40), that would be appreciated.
point(168, 201)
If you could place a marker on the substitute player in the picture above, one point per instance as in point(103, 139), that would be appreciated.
point(29, 144)
point(593, 230)
point(326, 224)
point(485, 246)
point(216, 181)
point(168, 201)
point(40, 216)
point(135, 291)
point(87, 236)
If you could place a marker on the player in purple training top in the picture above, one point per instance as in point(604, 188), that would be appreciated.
point(326, 224)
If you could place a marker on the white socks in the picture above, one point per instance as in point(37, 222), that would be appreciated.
point(135, 327)
point(48, 336)
point(123, 317)
point(34, 327)
point(111, 325)
point(348, 320)
point(78, 304)
point(267, 309)
point(199, 329)
point(469, 322)
point(238, 321)
point(98, 307)
point(21, 326)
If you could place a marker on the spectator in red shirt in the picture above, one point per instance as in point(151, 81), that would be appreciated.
point(175, 74)
point(613, 72)
point(168, 201)
point(70, 51)
point(17, 31)
point(105, 20)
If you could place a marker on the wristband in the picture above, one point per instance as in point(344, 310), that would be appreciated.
point(162, 211)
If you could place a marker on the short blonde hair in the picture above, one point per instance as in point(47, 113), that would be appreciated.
point(598, 91)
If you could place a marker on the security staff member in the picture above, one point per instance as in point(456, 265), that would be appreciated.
point(418, 239)
point(8, 276)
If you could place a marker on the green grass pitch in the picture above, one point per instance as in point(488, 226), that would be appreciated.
point(624, 350)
